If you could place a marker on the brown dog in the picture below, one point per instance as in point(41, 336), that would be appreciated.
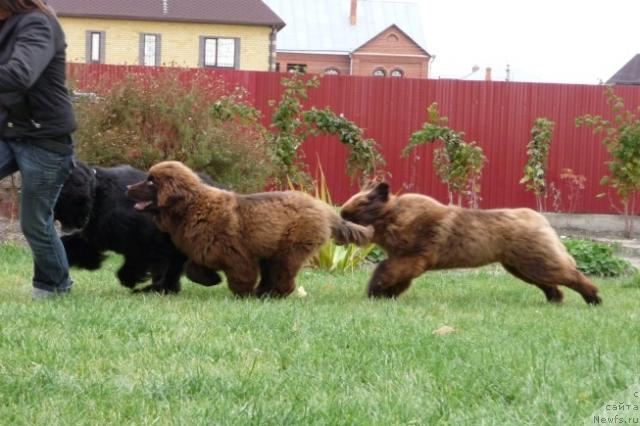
point(419, 234)
point(271, 234)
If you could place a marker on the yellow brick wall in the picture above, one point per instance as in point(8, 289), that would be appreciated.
point(179, 41)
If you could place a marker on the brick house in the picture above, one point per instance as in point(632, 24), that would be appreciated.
point(352, 37)
point(236, 34)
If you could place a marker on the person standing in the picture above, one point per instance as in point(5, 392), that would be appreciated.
point(36, 126)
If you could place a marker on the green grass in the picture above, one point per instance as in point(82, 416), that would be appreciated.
point(105, 356)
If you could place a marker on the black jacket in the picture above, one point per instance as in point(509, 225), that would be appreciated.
point(34, 99)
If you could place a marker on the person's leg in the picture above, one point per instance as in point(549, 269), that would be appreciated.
point(43, 174)
point(8, 164)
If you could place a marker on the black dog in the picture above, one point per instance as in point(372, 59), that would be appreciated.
point(93, 202)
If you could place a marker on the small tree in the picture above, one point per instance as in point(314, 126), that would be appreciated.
point(292, 125)
point(289, 130)
point(535, 171)
point(458, 163)
point(364, 159)
point(622, 140)
point(575, 184)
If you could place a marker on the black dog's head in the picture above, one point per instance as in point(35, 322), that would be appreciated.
point(367, 206)
point(73, 208)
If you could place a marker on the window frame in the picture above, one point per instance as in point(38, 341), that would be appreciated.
point(384, 72)
point(400, 70)
point(216, 64)
point(302, 68)
point(142, 49)
point(90, 52)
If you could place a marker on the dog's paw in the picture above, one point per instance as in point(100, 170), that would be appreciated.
point(154, 288)
point(594, 300)
point(201, 275)
point(130, 277)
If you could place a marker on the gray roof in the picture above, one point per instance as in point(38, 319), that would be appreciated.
point(246, 12)
point(628, 74)
point(323, 26)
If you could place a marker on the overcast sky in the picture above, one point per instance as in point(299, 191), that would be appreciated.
point(561, 41)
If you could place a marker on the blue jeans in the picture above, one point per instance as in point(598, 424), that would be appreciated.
point(43, 174)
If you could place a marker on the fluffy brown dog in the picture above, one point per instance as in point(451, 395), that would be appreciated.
point(271, 234)
point(419, 234)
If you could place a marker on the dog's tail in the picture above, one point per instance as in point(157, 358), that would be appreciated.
point(345, 232)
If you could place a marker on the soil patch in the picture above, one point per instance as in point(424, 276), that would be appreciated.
point(10, 231)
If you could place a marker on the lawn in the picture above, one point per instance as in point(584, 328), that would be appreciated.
point(105, 356)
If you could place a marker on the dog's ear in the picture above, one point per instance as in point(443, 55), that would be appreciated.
point(168, 192)
point(380, 192)
point(75, 201)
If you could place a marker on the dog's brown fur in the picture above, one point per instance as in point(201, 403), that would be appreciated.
point(269, 234)
point(419, 234)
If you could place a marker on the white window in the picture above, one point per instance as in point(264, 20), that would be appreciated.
point(210, 52)
point(379, 72)
point(150, 50)
point(397, 73)
point(226, 52)
point(95, 47)
point(331, 71)
point(219, 52)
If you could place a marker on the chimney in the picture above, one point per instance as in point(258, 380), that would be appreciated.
point(354, 12)
point(487, 74)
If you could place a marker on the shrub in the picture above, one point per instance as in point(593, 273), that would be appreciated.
point(575, 185)
point(141, 121)
point(458, 164)
point(535, 170)
point(597, 258)
point(364, 159)
point(622, 141)
point(186, 116)
point(292, 125)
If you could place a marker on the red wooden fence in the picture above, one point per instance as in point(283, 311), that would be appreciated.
point(498, 115)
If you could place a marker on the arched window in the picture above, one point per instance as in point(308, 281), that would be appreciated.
point(397, 73)
point(379, 72)
point(331, 71)
point(392, 38)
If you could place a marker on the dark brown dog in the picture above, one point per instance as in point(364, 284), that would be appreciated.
point(419, 234)
point(271, 234)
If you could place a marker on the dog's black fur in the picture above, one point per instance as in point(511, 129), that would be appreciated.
point(93, 203)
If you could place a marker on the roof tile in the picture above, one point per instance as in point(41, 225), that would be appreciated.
point(247, 12)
